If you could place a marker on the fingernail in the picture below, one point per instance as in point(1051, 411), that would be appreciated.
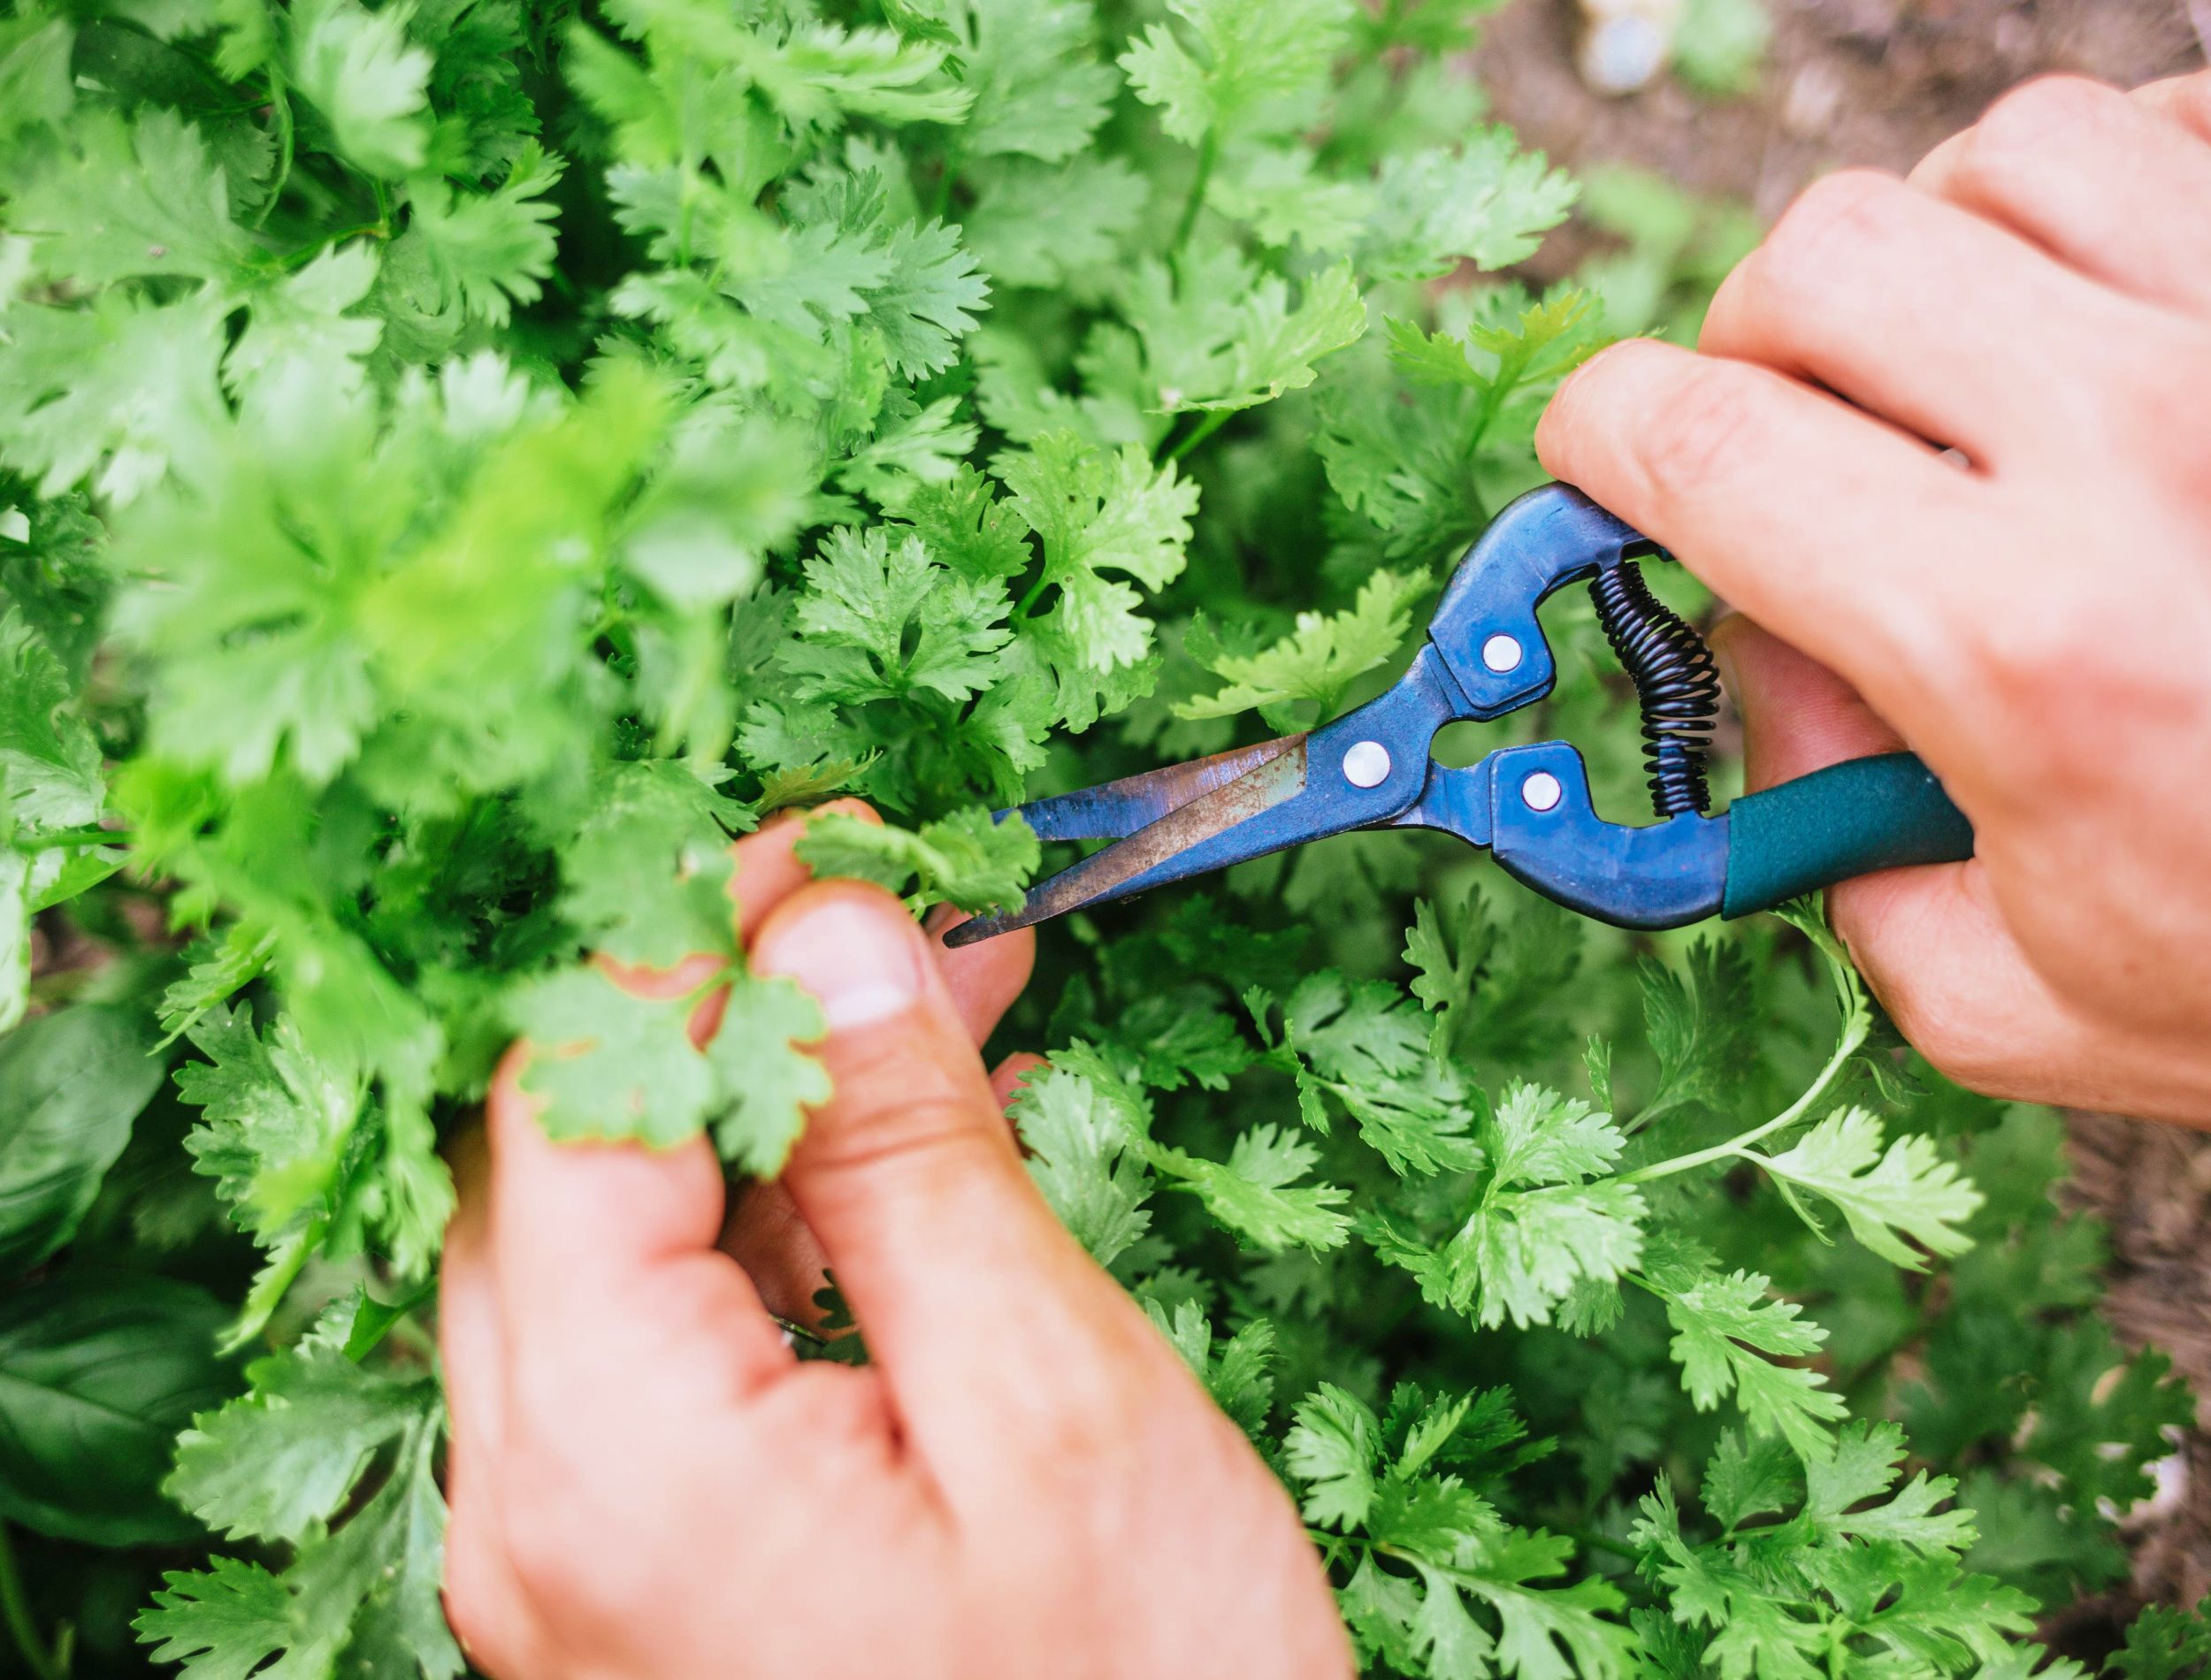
point(862, 962)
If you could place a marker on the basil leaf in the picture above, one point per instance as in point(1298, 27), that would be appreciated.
point(99, 1372)
point(70, 1086)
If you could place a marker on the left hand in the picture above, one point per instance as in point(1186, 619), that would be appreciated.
point(647, 1485)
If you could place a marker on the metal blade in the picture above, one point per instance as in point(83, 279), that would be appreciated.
point(1316, 785)
point(1114, 809)
point(1153, 850)
point(1358, 772)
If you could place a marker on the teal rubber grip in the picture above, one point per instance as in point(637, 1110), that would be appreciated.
point(1836, 824)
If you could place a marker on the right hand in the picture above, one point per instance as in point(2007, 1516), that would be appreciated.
point(2036, 626)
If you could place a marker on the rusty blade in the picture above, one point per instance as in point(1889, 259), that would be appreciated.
point(1144, 858)
point(1114, 809)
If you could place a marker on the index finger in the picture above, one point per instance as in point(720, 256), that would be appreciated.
point(1815, 519)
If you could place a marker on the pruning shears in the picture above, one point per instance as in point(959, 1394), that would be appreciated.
point(1485, 656)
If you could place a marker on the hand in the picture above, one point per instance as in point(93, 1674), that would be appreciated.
point(2035, 622)
point(646, 1484)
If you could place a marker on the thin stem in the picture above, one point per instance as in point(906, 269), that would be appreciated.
point(1845, 1050)
point(15, 1609)
point(1208, 149)
point(940, 200)
point(1035, 590)
point(76, 837)
point(1596, 1542)
point(282, 107)
point(1211, 423)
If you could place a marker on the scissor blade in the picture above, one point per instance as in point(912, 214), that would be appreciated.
point(1114, 809)
point(1149, 857)
point(1308, 791)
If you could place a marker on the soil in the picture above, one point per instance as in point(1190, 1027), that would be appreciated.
point(1874, 82)
point(1878, 82)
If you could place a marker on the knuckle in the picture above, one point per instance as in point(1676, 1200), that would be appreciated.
point(2184, 99)
point(2026, 120)
point(2167, 405)
point(887, 1135)
point(1565, 433)
point(2017, 664)
point(1710, 419)
point(1824, 238)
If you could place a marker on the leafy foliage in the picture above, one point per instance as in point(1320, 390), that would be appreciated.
point(461, 465)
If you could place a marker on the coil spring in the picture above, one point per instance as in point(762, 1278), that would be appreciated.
point(1677, 685)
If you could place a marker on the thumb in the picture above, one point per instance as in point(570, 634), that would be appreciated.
point(993, 1328)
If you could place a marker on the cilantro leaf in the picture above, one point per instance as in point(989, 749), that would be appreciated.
point(1546, 1219)
point(881, 621)
point(1696, 1029)
point(610, 1064)
point(1320, 658)
point(1489, 203)
point(284, 1464)
point(1362, 1044)
point(1038, 91)
point(136, 198)
point(1257, 68)
point(2165, 1643)
point(279, 1463)
point(1390, 1501)
point(968, 858)
point(491, 250)
point(370, 83)
point(1237, 1372)
point(1910, 1190)
point(1084, 1129)
point(1095, 512)
point(768, 1080)
point(1035, 226)
point(1725, 1326)
point(1202, 353)
point(1252, 1193)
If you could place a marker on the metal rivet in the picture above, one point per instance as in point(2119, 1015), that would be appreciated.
point(1501, 652)
point(1541, 790)
point(1366, 765)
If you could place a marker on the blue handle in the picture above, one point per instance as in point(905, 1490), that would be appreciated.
point(1485, 625)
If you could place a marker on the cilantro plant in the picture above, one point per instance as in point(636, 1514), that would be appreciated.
point(461, 463)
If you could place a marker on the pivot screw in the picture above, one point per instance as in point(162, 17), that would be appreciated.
point(1366, 765)
point(1500, 654)
point(1541, 790)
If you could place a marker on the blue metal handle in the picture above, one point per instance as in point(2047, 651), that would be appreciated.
point(1485, 625)
point(1531, 805)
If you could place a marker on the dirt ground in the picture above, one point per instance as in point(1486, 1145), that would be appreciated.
point(1849, 81)
point(1878, 82)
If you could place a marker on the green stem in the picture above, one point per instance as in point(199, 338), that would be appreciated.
point(1208, 149)
point(940, 201)
point(282, 106)
point(1845, 1049)
point(1035, 592)
point(77, 837)
point(1591, 1540)
point(1210, 423)
point(15, 1609)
